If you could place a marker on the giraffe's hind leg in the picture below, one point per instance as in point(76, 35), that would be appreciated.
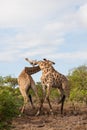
point(26, 102)
point(24, 105)
point(62, 103)
point(62, 100)
point(24, 91)
point(30, 98)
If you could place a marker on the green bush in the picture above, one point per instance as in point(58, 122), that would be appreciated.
point(78, 95)
point(78, 84)
point(10, 102)
point(8, 105)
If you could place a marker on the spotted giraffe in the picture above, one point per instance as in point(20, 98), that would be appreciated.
point(25, 82)
point(51, 78)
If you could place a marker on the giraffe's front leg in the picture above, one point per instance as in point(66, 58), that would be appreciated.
point(47, 98)
point(42, 100)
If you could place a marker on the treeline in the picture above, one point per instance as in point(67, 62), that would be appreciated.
point(11, 99)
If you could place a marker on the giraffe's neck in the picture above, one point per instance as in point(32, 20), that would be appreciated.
point(47, 70)
point(32, 70)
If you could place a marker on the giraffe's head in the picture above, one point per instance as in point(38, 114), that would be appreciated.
point(32, 62)
point(49, 61)
point(42, 63)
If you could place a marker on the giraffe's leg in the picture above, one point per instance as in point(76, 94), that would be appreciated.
point(30, 98)
point(62, 99)
point(26, 102)
point(37, 96)
point(47, 98)
point(25, 96)
point(42, 100)
point(62, 104)
point(23, 107)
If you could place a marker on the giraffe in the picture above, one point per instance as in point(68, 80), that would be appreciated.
point(25, 82)
point(51, 78)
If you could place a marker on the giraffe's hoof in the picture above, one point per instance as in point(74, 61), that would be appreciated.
point(38, 113)
point(51, 111)
point(19, 115)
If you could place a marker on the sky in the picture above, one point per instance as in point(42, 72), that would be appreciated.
point(37, 29)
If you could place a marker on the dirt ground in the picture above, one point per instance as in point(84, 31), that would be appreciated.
point(74, 118)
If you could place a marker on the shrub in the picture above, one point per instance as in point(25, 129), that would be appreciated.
point(78, 84)
point(10, 102)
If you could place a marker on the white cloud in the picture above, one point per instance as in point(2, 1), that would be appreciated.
point(70, 55)
point(69, 21)
point(46, 24)
point(19, 13)
point(22, 45)
point(59, 28)
point(82, 15)
point(8, 55)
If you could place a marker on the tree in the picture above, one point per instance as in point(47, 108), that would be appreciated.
point(78, 82)
point(1, 81)
point(10, 81)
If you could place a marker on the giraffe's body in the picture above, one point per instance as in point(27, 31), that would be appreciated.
point(25, 82)
point(51, 78)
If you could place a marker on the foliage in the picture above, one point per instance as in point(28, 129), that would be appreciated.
point(8, 81)
point(39, 89)
point(10, 102)
point(78, 82)
point(1, 80)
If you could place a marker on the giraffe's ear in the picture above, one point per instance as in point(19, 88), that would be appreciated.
point(26, 59)
point(45, 59)
point(53, 63)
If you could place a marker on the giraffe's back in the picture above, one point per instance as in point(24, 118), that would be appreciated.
point(24, 78)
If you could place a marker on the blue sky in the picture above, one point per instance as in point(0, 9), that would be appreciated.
point(37, 29)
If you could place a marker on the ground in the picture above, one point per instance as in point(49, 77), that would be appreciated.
point(74, 118)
